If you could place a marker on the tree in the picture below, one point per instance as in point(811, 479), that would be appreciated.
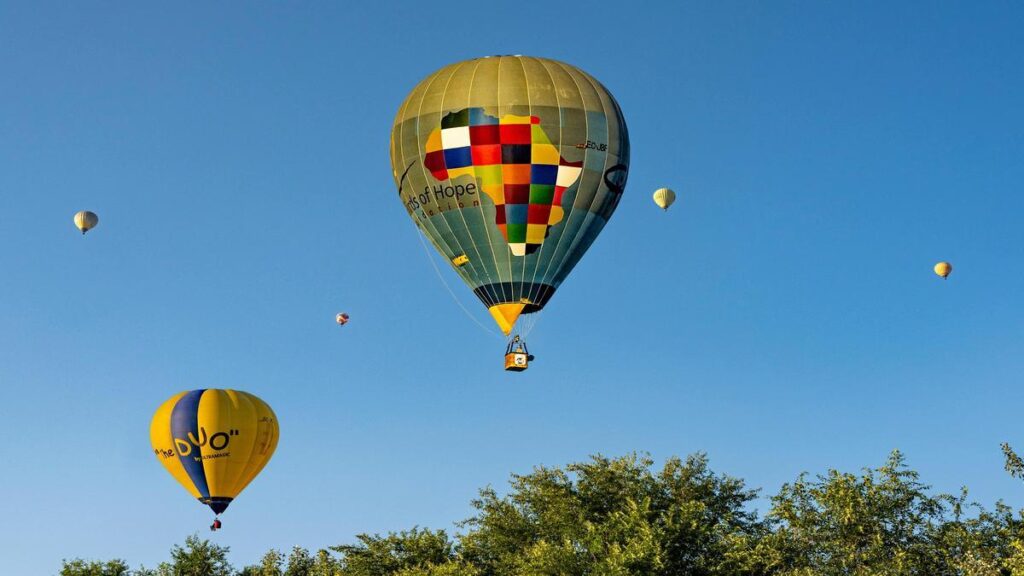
point(386, 555)
point(300, 563)
point(881, 523)
point(197, 558)
point(79, 567)
point(623, 517)
point(614, 516)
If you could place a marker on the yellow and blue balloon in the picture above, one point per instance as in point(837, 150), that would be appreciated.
point(214, 442)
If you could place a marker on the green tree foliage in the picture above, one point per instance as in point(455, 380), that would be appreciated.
point(624, 517)
point(396, 553)
point(613, 516)
point(197, 558)
point(882, 522)
point(82, 568)
point(299, 563)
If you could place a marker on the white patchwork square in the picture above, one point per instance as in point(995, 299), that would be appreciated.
point(567, 175)
point(455, 137)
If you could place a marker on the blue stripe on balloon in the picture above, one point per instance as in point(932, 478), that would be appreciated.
point(185, 424)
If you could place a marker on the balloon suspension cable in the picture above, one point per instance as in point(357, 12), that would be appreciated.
point(527, 322)
point(437, 270)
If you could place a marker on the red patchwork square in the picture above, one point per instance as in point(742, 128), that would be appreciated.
point(484, 134)
point(517, 193)
point(486, 155)
point(538, 214)
point(515, 134)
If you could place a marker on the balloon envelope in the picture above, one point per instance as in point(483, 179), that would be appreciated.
point(341, 319)
point(943, 269)
point(664, 197)
point(516, 163)
point(86, 220)
point(214, 442)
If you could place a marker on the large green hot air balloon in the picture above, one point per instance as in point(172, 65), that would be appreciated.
point(511, 166)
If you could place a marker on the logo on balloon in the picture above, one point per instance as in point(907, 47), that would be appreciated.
point(513, 162)
point(218, 441)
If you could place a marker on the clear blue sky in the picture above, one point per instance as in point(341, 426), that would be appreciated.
point(783, 316)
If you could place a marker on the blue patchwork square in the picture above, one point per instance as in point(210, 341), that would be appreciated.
point(458, 157)
point(543, 174)
point(516, 213)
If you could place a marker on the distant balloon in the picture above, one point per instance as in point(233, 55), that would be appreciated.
point(664, 197)
point(214, 442)
point(943, 269)
point(342, 319)
point(86, 220)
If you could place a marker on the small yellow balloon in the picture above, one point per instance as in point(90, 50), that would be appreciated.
point(86, 220)
point(664, 197)
point(943, 269)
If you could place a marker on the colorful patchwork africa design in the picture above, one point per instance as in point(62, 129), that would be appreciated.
point(514, 163)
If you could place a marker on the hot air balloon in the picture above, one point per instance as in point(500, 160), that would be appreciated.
point(214, 442)
point(341, 319)
point(86, 220)
point(664, 197)
point(943, 269)
point(511, 166)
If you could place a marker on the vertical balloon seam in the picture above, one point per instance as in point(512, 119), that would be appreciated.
point(398, 150)
point(472, 240)
point(426, 221)
point(212, 405)
point(577, 237)
point(468, 279)
point(267, 417)
point(505, 248)
point(529, 112)
point(251, 467)
point(538, 256)
point(226, 420)
point(424, 224)
point(546, 246)
point(579, 184)
point(623, 153)
point(244, 407)
point(443, 214)
point(477, 262)
point(623, 156)
point(567, 218)
point(480, 207)
point(257, 460)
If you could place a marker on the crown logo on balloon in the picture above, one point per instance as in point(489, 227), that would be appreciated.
point(513, 162)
